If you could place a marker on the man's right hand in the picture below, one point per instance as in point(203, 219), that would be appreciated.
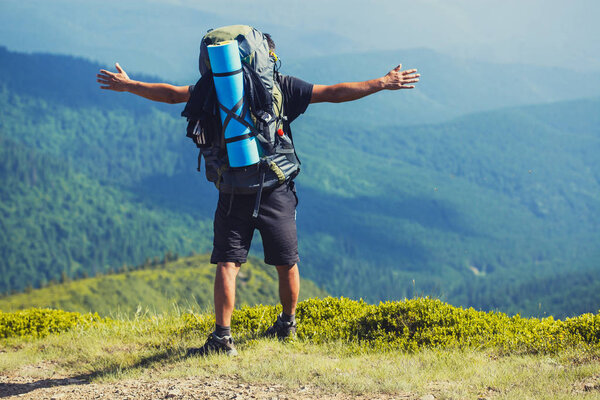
point(114, 81)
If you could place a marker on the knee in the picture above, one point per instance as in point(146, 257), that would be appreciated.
point(229, 269)
point(287, 270)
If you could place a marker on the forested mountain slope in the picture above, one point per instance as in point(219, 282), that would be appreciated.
point(474, 210)
point(493, 210)
point(56, 220)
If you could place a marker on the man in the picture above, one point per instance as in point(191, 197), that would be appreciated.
point(276, 221)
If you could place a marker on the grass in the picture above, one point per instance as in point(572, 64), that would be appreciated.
point(152, 347)
point(135, 350)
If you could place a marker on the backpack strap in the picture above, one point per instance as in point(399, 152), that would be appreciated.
point(231, 114)
point(277, 171)
point(260, 189)
point(264, 165)
point(220, 172)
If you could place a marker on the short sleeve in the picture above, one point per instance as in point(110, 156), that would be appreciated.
point(296, 96)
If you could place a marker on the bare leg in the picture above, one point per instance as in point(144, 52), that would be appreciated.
point(225, 291)
point(289, 287)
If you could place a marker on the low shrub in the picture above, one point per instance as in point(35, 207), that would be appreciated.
point(37, 322)
point(422, 323)
point(407, 325)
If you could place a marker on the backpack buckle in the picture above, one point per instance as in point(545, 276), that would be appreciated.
point(264, 117)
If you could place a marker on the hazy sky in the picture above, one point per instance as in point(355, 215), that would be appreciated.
point(547, 32)
point(161, 36)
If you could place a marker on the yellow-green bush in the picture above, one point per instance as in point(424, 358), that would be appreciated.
point(417, 323)
point(37, 322)
point(420, 323)
point(585, 326)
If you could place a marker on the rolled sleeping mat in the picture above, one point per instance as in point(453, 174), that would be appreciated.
point(226, 66)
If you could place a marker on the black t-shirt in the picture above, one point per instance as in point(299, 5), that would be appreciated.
point(296, 95)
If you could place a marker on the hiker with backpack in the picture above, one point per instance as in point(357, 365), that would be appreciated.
point(257, 192)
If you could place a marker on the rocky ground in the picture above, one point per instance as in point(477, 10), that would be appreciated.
point(176, 389)
point(41, 382)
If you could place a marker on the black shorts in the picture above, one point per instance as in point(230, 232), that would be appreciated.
point(276, 223)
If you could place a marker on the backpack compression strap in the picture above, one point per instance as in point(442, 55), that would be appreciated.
point(232, 114)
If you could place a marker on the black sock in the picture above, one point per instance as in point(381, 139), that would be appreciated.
point(288, 318)
point(221, 331)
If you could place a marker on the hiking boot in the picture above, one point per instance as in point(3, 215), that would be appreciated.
point(282, 329)
point(215, 344)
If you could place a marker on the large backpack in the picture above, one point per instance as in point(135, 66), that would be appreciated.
point(278, 160)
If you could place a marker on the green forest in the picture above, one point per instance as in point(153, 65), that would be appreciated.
point(497, 210)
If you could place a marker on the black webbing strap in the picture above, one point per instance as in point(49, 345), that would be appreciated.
point(221, 74)
point(231, 114)
point(241, 137)
point(259, 193)
point(231, 195)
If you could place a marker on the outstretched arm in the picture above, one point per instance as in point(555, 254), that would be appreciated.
point(163, 92)
point(349, 91)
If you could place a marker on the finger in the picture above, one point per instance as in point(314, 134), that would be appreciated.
point(409, 71)
point(103, 81)
point(104, 87)
point(107, 73)
point(119, 68)
point(411, 76)
point(407, 87)
point(398, 67)
point(409, 81)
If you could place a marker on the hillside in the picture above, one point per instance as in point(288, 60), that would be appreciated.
point(474, 210)
point(57, 220)
point(496, 210)
point(157, 287)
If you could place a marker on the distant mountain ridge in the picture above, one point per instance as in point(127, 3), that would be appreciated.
point(449, 87)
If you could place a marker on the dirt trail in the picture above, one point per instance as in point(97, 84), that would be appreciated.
point(176, 389)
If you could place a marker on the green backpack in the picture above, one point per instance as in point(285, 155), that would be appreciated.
point(278, 162)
